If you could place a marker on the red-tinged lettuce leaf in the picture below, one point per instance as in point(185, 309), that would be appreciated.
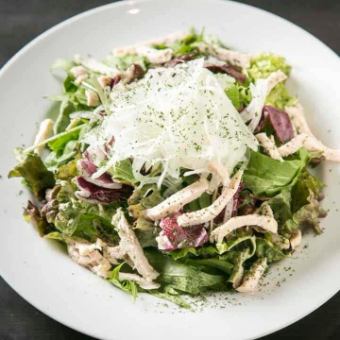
point(96, 194)
point(32, 214)
point(173, 236)
point(87, 168)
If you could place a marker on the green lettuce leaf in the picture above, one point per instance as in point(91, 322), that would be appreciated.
point(239, 95)
point(238, 267)
point(182, 277)
point(122, 172)
point(279, 97)
point(305, 204)
point(127, 286)
point(55, 235)
point(174, 298)
point(230, 244)
point(67, 171)
point(142, 198)
point(56, 159)
point(280, 204)
point(146, 232)
point(306, 186)
point(267, 176)
point(186, 45)
point(216, 263)
point(72, 100)
point(58, 142)
point(307, 216)
point(265, 248)
point(35, 174)
point(183, 252)
point(76, 218)
point(200, 203)
point(263, 65)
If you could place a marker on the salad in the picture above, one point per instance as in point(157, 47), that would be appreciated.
point(175, 167)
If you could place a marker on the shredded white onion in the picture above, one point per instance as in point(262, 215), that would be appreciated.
point(179, 117)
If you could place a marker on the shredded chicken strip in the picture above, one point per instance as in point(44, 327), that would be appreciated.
point(305, 137)
point(130, 245)
point(176, 201)
point(45, 131)
point(253, 111)
point(275, 78)
point(92, 98)
point(233, 57)
point(98, 257)
point(297, 117)
point(252, 278)
point(155, 56)
point(209, 213)
point(269, 146)
point(88, 255)
point(96, 66)
point(221, 171)
point(266, 223)
point(143, 283)
point(228, 211)
point(104, 81)
point(311, 144)
point(79, 73)
point(295, 239)
point(168, 39)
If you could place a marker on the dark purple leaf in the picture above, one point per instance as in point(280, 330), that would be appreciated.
point(280, 122)
point(115, 80)
point(179, 60)
point(232, 71)
point(138, 71)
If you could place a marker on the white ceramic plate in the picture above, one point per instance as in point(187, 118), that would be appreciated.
point(49, 280)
